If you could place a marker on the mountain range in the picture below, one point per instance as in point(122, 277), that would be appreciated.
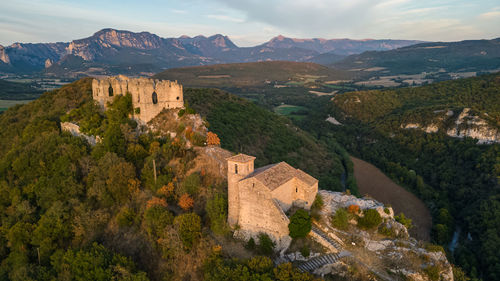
point(111, 51)
point(462, 56)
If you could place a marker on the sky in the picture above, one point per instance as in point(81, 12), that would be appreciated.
point(252, 22)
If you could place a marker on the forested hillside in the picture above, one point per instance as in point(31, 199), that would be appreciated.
point(133, 207)
point(247, 128)
point(457, 178)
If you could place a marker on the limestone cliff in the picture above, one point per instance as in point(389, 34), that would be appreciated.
point(3, 56)
point(466, 124)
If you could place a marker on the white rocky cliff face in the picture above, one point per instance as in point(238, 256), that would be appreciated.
point(466, 125)
point(3, 55)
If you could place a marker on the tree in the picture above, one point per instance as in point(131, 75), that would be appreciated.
point(109, 181)
point(340, 219)
point(402, 219)
point(213, 139)
point(191, 184)
point(371, 219)
point(216, 208)
point(266, 245)
point(186, 202)
point(300, 224)
point(189, 228)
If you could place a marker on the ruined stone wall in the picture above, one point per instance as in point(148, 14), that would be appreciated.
point(149, 96)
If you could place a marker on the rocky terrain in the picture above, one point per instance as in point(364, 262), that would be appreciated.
point(386, 252)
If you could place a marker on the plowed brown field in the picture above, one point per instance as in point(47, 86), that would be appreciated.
point(377, 185)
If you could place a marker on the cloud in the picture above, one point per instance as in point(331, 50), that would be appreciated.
point(225, 18)
point(182, 12)
point(490, 15)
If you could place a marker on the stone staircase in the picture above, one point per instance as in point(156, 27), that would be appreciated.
point(318, 262)
point(323, 235)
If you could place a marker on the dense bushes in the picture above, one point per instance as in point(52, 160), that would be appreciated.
point(370, 219)
point(300, 224)
point(340, 219)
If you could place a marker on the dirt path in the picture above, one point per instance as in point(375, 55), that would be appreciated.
point(373, 182)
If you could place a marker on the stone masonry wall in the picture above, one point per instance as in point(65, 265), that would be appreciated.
point(168, 94)
point(259, 212)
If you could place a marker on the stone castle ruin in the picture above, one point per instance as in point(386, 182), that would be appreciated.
point(259, 198)
point(149, 96)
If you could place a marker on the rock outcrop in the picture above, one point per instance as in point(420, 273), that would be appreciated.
point(465, 125)
point(389, 255)
point(3, 55)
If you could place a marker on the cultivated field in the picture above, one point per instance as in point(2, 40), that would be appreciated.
point(377, 185)
point(4, 104)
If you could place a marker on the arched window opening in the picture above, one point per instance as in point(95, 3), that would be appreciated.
point(155, 98)
point(110, 91)
point(296, 190)
point(177, 98)
point(235, 168)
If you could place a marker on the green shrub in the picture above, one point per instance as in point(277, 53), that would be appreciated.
point(318, 203)
point(300, 224)
point(156, 219)
point(305, 251)
point(216, 208)
point(266, 245)
point(386, 210)
point(126, 217)
point(189, 228)
point(434, 248)
point(181, 112)
point(432, 272)
point(137, 110)
point(371, 219)
point(191, 184)
point(340, 219)
point(402, 219)
point(384, 230)
point(250, 245)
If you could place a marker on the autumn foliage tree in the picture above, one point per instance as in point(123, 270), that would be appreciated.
point(353, 209)
point(186, 202)
point(212, 139)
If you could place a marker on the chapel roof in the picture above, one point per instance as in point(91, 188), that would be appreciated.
point(275, 175)
point(242, 158)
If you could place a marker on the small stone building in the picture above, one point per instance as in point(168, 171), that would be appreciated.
point(149, 96)
point(258, 199)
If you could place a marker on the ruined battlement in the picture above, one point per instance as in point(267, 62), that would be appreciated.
point(149, 96)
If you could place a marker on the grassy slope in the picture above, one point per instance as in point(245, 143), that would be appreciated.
point(249, 74)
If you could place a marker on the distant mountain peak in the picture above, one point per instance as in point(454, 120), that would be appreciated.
point(279, 38)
